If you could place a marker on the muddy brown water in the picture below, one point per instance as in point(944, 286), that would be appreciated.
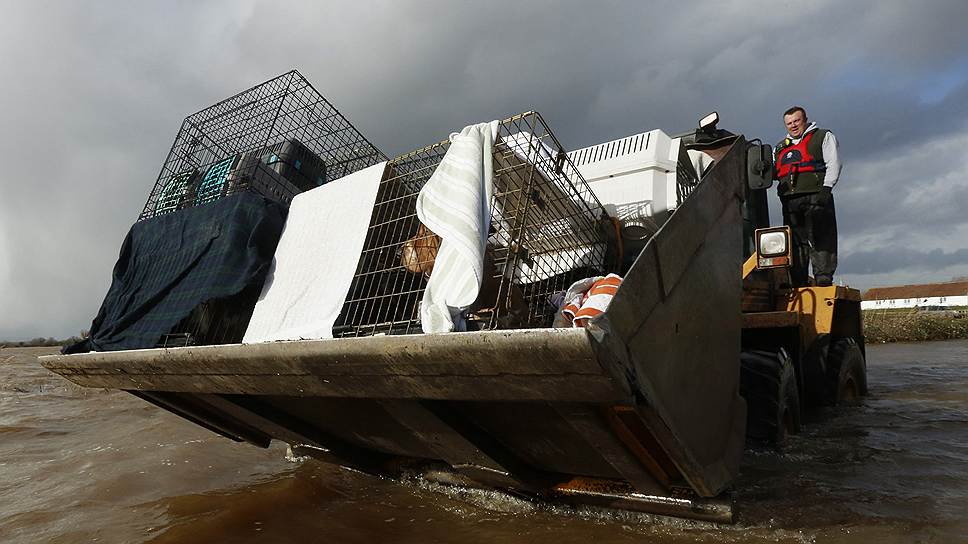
point(81, 465)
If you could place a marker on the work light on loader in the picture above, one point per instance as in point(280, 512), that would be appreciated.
point(773, 248)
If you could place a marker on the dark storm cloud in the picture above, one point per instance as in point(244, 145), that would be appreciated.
point(901, 258)
point(922, 191)
point(93, 94)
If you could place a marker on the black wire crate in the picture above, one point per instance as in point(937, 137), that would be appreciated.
point(278, 139)
point(547, 230)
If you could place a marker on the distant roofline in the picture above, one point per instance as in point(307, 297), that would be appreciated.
point(924, 290)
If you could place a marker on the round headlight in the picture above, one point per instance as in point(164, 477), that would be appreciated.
point(772, 243)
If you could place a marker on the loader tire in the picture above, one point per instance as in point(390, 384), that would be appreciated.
point(846, 376)
point(769, 385)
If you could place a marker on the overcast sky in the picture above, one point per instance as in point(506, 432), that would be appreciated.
point(93, 93)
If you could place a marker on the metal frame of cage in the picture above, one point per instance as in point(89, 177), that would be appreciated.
point(277, 138)
point(548, 230)
point(259, 140)
point(686, 178)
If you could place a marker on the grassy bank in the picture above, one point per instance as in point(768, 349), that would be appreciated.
point(905, 325)
point(40, 341)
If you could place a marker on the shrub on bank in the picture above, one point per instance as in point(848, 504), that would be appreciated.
point(882, 326)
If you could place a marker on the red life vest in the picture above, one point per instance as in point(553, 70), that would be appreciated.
point(796, 158)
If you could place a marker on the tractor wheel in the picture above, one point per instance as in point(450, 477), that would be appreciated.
point(769, 385)
point(846, 373)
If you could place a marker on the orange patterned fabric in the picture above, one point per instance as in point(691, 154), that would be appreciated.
point(591, 303)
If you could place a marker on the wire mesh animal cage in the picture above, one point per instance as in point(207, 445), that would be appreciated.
point(278, 138)
point(547, 231)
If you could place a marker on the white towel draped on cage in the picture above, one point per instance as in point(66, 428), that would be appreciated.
point(455, 205)
point(314, 263)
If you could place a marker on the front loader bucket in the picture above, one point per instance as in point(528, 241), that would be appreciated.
point(640, 410)
point(674, 329)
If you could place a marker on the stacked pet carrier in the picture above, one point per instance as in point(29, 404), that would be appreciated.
point(547, 231)
point(278, 139)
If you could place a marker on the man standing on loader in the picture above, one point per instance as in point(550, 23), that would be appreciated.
point(808, 166)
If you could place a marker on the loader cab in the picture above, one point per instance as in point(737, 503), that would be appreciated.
point(708, 143)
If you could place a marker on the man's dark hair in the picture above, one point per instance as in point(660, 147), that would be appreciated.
point(795, 109)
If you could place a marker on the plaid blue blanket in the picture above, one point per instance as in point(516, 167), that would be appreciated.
point(171, 264)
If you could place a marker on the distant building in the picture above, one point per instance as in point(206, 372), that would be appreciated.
point(952, 293)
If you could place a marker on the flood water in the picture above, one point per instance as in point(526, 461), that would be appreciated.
point(82, 465)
